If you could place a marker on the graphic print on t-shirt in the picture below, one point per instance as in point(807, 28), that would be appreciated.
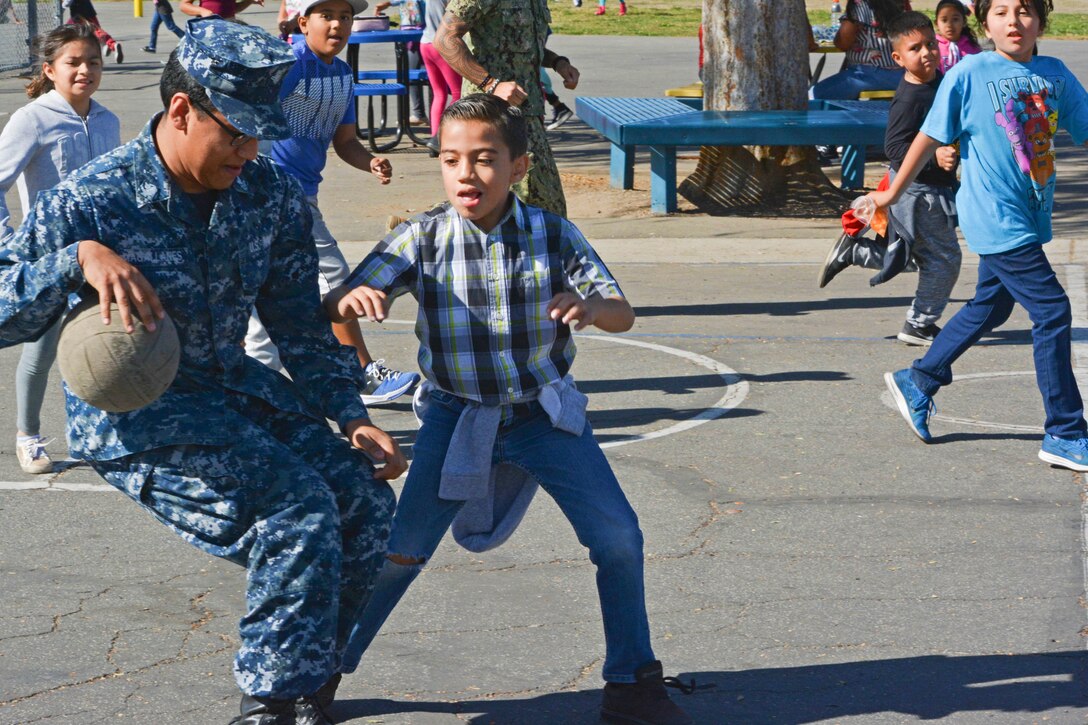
point(316, 106)
point(1020, 108)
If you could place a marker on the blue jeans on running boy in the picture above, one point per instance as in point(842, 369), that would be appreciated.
point(574, 472)
point(167, 20)
point(1021, 275)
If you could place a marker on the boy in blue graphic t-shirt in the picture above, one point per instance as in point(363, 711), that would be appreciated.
point(1004, 108)
point(317, 99)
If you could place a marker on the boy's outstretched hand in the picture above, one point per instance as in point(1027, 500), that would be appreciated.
point(382, 169)
point(611, 315)
point(344, 304)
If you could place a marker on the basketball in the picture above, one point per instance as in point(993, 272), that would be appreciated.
point(110, 368)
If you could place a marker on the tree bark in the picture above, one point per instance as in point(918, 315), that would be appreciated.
point(756, 58)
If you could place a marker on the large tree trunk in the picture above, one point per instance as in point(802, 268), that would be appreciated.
point(756, 58)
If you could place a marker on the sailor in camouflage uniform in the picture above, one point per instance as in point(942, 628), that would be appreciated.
point(234, 457)
point(507, 53)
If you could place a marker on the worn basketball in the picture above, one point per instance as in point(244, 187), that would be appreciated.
point(112, 369)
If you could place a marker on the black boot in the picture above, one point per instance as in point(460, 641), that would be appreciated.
point(265, 711)
point(310, 710)
point(839, 257)
point(646, 702)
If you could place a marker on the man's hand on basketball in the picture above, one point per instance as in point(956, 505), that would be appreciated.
point(118, 281)
point(379, 447)
point(510, 92)
point(345, 304)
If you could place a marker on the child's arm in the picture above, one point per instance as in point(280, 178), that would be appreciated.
point(190, 8)
point(344, 304)
point(348, 148)
point(920, 152)
point(611, 314)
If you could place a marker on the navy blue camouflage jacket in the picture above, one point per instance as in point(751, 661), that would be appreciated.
point(257, 250)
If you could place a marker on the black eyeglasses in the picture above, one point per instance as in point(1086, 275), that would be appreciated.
point(237, 138)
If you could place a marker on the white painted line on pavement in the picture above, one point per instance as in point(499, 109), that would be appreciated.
point(53, 486)
point(736, 390)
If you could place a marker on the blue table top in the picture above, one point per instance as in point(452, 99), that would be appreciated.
point(644, 121)
point(386, 36)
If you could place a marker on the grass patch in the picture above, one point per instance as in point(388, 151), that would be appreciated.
point(682, 18)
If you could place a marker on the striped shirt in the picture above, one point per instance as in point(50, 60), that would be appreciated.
point(483, 325)
point(871, 47)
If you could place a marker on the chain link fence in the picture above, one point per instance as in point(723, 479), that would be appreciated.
point(20, 22)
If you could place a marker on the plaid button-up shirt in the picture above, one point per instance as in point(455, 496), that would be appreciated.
point(483, 325)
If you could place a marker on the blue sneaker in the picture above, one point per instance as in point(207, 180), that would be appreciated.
point(1071, 454)
point(385, 384)
point(913, 404)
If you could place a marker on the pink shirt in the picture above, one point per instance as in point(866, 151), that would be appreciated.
point(952, 53)
point(222, 8)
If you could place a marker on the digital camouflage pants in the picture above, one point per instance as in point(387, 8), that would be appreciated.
point(295, 505)
point(541, 186)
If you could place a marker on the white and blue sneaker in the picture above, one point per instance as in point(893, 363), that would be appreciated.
point(1071, 454)
point(385, 384)
point(914, 405)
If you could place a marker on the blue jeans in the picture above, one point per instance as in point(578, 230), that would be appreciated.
point(574, 472)
point(32, 379)
point(848, 83)
point(1021, 275)
point(167, 20)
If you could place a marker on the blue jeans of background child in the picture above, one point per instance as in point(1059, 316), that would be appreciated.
point(575, 472)
point(848, 83)
point(167, 20)
point(1021, 275)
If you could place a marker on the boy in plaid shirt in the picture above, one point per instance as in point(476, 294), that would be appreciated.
point(499, 285)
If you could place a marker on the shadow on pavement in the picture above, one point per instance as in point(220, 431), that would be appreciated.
point(927, 687)
point(775, 309)
point(632, 417)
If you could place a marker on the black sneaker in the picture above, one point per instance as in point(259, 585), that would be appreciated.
point(148, 49)
point(920, 336)
point(839, 257)
point(310, 710)
point(560, 115)
point(646, 702)
point(826, 155)
point(265, 711)
point(120, 52)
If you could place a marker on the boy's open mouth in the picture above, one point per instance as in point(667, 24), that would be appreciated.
point(469, 197)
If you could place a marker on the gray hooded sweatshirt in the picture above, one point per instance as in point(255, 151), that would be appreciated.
point(45, 141)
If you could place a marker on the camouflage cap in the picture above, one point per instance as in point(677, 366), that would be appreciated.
point(241, 67)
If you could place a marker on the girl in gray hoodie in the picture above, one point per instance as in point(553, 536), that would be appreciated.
point(49, 138)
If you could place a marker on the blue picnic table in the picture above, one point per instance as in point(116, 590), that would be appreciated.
point(663, 124)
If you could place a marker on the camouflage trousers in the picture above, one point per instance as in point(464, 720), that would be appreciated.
point(295, 505)
point(541, 186)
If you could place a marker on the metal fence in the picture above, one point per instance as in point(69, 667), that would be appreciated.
point(20, 22)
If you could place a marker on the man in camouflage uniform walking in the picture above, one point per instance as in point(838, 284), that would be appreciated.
point(507, 54)
point(234, 457)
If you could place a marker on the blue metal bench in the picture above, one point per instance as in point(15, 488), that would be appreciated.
point(418, 75)
point(662, 124)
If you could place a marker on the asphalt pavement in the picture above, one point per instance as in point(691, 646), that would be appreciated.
point(807, 558)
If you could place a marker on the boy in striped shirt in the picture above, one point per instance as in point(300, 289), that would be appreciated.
point(499, 286)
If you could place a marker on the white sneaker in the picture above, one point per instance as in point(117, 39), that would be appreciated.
point(32, 455)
